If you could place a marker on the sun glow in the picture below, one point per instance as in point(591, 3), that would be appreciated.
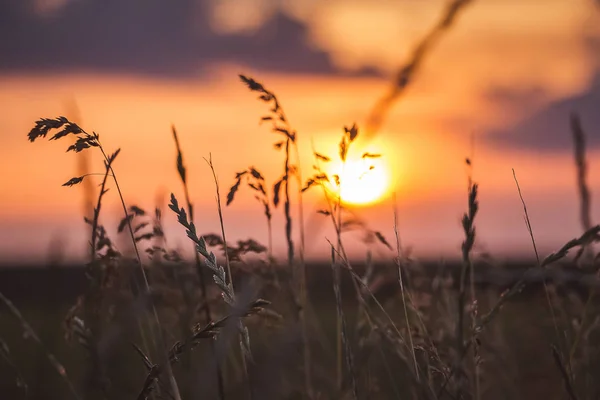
point(362, 181)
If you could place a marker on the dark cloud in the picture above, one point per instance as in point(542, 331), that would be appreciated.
point(154, 37)
point(549, 128)
point(592, 44)
point(502, 96)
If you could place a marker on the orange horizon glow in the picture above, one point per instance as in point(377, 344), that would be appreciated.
point(496, 47)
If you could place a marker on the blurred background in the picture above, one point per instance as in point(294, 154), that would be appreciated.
point(498, 87)
point(442, 91)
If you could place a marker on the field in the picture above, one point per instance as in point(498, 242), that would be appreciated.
point(516, 361)
point(143, 317)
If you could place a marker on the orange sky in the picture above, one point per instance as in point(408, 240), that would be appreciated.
point(496, 44)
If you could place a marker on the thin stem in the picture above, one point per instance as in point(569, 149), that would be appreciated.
point(139, 259)
point(530, 230)
point(97, 213)
point(218, 199)
point(95, 174)
point(581, 165)
point(96, 286)
point(227, 261)
point(585, 239)
point(343, 332)
point(288, 218)
point(585, 215)
point(356, 277)
point(527, 221)
point(406, 73)
point(302, 278)
point(270, 235)
point(401, 281)
point(339, 317)
point(468, 243)
point(203, 291)
point(564, 373)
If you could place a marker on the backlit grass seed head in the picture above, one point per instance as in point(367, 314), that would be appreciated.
point(45, 125)
point(256, 182)
point(210, 258)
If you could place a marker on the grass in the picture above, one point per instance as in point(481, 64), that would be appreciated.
point(394, 331)
point(235, 322)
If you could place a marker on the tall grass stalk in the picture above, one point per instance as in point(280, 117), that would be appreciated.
point(96, 215)
point(379, 326)
point(537, 257)
point(343, 333)
point(579, 141)
point(406, 74)
point(245, 351)
point(582, 169)
point(91, 315)
point(83, 164)
point(281, 125)
point(402, 292)
point(340, 334)
point(334, 211)
point(468, 223)
point(356, 278)
point(302, 278)
point(564, 373)
point(84, 141)
point(161, 341)
point(588, 237)
point(222, 279)
point(256, 181)
point(199, 332)
point(182, 171)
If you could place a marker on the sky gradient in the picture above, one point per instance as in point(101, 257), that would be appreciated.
point(508, 75)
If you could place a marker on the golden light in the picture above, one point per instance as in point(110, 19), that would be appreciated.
point(363, 181)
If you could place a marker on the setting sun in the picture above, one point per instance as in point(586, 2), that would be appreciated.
point(363, 181)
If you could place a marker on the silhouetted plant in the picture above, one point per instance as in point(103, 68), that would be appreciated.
point(209, 331)
point(182, 171)
point(280, 125)
point(85, 140)
point(256, 182)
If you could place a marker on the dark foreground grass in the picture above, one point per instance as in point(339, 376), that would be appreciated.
point(517, 361)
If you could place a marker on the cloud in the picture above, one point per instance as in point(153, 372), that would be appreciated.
point(548, 129)
point(153, 37)
point(504, 96)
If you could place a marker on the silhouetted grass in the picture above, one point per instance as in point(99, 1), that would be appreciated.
point(395, 330)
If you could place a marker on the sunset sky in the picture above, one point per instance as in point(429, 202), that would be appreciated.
point(507, 74)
